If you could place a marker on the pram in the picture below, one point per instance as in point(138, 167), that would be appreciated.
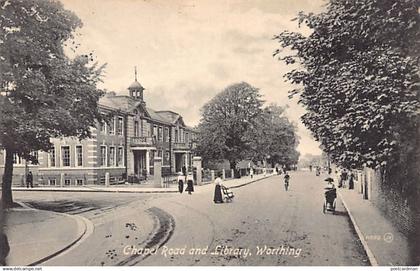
point(330, 200)
point(227, 194)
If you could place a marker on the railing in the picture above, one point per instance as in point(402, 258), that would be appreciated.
point(142, 141)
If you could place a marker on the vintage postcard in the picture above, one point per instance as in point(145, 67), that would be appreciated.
point(210, 133)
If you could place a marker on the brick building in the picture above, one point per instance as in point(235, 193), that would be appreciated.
point(124, 147)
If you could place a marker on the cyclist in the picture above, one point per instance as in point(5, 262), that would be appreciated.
point(286, 180)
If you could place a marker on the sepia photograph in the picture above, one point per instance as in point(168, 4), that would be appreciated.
point(197, 133)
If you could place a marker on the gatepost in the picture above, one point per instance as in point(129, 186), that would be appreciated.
point(197, 166)
point(223, 174)
point(157, 172)
point(232, 172)
point(62, 179)
point(211, 175)
point(106, 178)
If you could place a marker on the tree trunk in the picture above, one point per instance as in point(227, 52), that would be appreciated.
point(6, 193)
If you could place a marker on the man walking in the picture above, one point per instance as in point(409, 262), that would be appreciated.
point(29, 180)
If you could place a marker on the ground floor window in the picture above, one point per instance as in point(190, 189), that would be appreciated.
point(51, 181)
point(103, 156)
point(67, 182)
point(120, 157)
point(79, 182)
point(111, 156)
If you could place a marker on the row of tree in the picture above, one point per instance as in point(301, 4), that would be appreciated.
point(235, 126)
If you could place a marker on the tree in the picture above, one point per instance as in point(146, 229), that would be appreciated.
point(276, 137)
point(44, 94)
point(359, 72)
point(226, 123)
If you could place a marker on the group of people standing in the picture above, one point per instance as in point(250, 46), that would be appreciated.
point(184, 176)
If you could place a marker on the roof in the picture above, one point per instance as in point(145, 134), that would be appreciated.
point(128, 104)
point(135, 85)
point(169, 115)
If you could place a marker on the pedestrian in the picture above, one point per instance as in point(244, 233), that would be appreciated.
point(351, 180)
point(29, 180)
point(251, 173)
point(310, 167)
point(218, 190)
point(190, 184)
point(180, 182)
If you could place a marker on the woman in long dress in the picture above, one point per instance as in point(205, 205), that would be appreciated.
point(218, 190)
point(190, 184)
point(180, 182)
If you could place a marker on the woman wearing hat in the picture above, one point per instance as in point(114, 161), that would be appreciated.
point(180, 182)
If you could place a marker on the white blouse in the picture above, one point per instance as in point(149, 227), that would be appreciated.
point(218, 181)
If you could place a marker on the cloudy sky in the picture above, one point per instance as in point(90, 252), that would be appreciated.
point(187, 51)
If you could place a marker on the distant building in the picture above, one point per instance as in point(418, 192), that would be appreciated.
point(124, 147)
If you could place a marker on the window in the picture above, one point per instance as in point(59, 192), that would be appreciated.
point(136, 128)
point(17, 160)
point(160, 134)
point(167, 156)
point(79, 156)
point(103, 156)
point(159, 154)
point(51, 181)
point(155, 131)
point(102, 127)
point(111, 156)
point(186, 137)
point(120, 127)
point(79, 182)
point(120, 157)
point(35, 155)
point(167, 134)
point(67, 182)
point(51, 156)
point(112, 126)
point(65, 156)
point(176, 135)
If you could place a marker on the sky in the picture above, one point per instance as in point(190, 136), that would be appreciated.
point(188, 51)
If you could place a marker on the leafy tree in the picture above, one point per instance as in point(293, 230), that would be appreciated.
point(276, 137)
point(226, 123)
point(358, 69)
point(44, 94)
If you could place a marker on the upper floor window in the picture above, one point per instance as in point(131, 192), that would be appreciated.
point(176, 135)
point(120, 127)
point(51, 157)
point(160, 134)
point(65, 156)
point(111, 126)
point(136, 128)
point(79, 156)
point(102, 127)
point(167, 134)
point(17, 160)
point(187, 139)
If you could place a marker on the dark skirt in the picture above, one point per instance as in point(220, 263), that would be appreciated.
point(190, 186)
point(218, 194)
point(180, 186)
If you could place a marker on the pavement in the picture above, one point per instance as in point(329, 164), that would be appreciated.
point(35, 235)
point(135, 188)
point(384, 244)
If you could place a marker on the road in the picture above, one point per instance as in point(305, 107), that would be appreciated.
point(264, 225)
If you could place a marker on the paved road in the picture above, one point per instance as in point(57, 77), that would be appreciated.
point(290, 225)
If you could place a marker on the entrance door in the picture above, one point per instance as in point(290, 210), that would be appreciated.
point(179, 162)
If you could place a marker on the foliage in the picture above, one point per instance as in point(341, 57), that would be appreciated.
point(234, 126)
point(226, 122)
point(359, 72)
point(44, 93)
point(275, 137)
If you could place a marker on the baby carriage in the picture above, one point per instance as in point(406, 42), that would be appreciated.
point(227, 194)
point(330, 200)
